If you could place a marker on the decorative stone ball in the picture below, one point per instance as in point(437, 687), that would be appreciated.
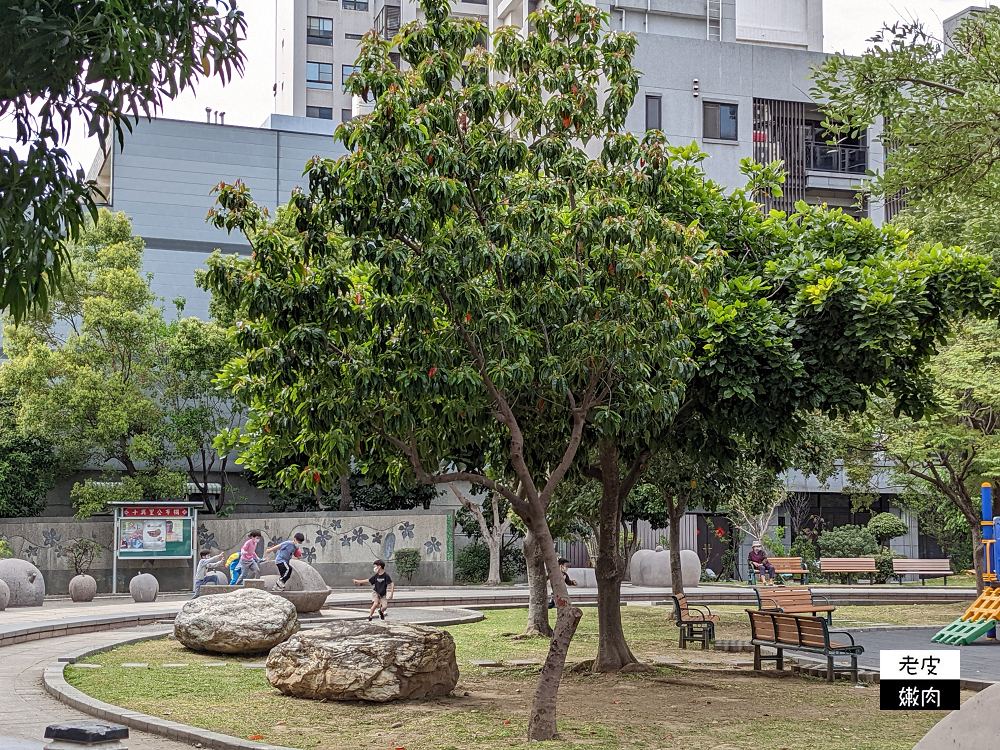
point(144, 587)
point(4, 596)
point(24, 581)
point(83, 588)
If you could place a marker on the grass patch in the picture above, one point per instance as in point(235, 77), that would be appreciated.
point(693, 705)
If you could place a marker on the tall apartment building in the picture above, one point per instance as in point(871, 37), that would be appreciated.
point(732, 75)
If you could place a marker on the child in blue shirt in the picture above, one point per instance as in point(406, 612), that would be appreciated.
point(282, 560)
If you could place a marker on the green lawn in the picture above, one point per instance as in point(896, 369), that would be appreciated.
point(692, 705)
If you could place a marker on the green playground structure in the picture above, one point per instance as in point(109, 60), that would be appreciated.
point(983, 616)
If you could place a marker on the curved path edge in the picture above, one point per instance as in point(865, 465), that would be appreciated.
point(54, 681)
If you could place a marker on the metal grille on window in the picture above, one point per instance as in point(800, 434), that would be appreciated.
point(387, 21)
point(779, 130)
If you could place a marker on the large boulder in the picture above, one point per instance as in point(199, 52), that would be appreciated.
point(27, 587)
point(652, 568)
point(144, 587)
point(4, 596)
point(304, 576)
point(243, 622)
point(372, 661)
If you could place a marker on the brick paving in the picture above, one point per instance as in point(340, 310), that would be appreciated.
point(26, 709)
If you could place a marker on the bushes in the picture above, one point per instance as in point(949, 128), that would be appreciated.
point(472, 563)
point(407, 562)
point(848, 541)
point(884, 562)
point(886, 527)
point(805, 548)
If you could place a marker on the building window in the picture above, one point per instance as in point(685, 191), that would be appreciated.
point(322, 113)
point(345, 73)
point(355, 37)
point(394, 59)
point(355, 4)
point(346, 115)
point(476, 2)
point(319, 31)
point(319, 75)
point(653, 119)
point(720, 121)
point(849, 155)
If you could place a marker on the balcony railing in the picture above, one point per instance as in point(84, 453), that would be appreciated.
point(387, 21)
point(844, 159)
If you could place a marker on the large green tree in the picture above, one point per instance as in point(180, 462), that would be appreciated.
point(938, 107)
point(96, 65)
point(28, 468)
point(511, 292)
point(86, 375)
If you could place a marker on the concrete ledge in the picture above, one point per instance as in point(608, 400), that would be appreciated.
point(55, 685)
point(12, 634)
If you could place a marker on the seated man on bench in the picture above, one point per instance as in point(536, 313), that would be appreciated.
point(758, 560)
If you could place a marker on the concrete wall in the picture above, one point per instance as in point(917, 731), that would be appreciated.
point(341, 546)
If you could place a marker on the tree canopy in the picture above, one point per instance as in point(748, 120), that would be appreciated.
point(102, 63)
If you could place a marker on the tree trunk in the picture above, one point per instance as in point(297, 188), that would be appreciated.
point(675, 511)
point(542, 723)
point(612, 649)
point(345, 493)
point(538, 600)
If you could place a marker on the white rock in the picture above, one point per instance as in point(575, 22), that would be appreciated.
point(83, 588)
point(144, 587)
point(304, 576)
point(371, 661)
point(4, 596)
point(652, 568)
point(241, 622)
point(24, 581)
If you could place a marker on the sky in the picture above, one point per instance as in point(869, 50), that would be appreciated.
point(847, 24)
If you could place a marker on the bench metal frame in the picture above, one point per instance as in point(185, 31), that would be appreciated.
point(830, 651)
point(694, 631)
point(803, 574)
point(923, 574)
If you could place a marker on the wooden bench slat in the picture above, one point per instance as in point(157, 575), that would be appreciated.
point(848, 565)
point(800, 633)
point(922, 566)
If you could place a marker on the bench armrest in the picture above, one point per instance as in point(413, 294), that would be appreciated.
point(842, 632)
point(776, 605)
point(700, 607)
point(820, 596)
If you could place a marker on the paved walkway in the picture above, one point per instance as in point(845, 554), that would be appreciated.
point(27, 709)
point(980, 659)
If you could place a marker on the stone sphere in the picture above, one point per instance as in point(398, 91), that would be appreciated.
point(82, 588)
point(4, 596)
point(304, 576)
point(25, 582)
point(144, 587)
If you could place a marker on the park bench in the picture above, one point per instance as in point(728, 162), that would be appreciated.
point(848, 565)
point(930, 568)
point(696, 627)
point(783, 566)
point(800, 633)
point(793, 600)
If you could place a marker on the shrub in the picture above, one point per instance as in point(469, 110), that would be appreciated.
point(848, 541)
point(775, 542)
point(407, 562)
point(884, 562)
point(472, 563)
point(5, 550)
point(886, 527)
point(805, 548)
point(82, 554)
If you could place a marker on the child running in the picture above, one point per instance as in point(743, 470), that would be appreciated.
point(249, 567)
point(282, 560)
point(382, 587)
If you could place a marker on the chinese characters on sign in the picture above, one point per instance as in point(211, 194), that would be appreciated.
point(155, 512)
point(920, 680)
